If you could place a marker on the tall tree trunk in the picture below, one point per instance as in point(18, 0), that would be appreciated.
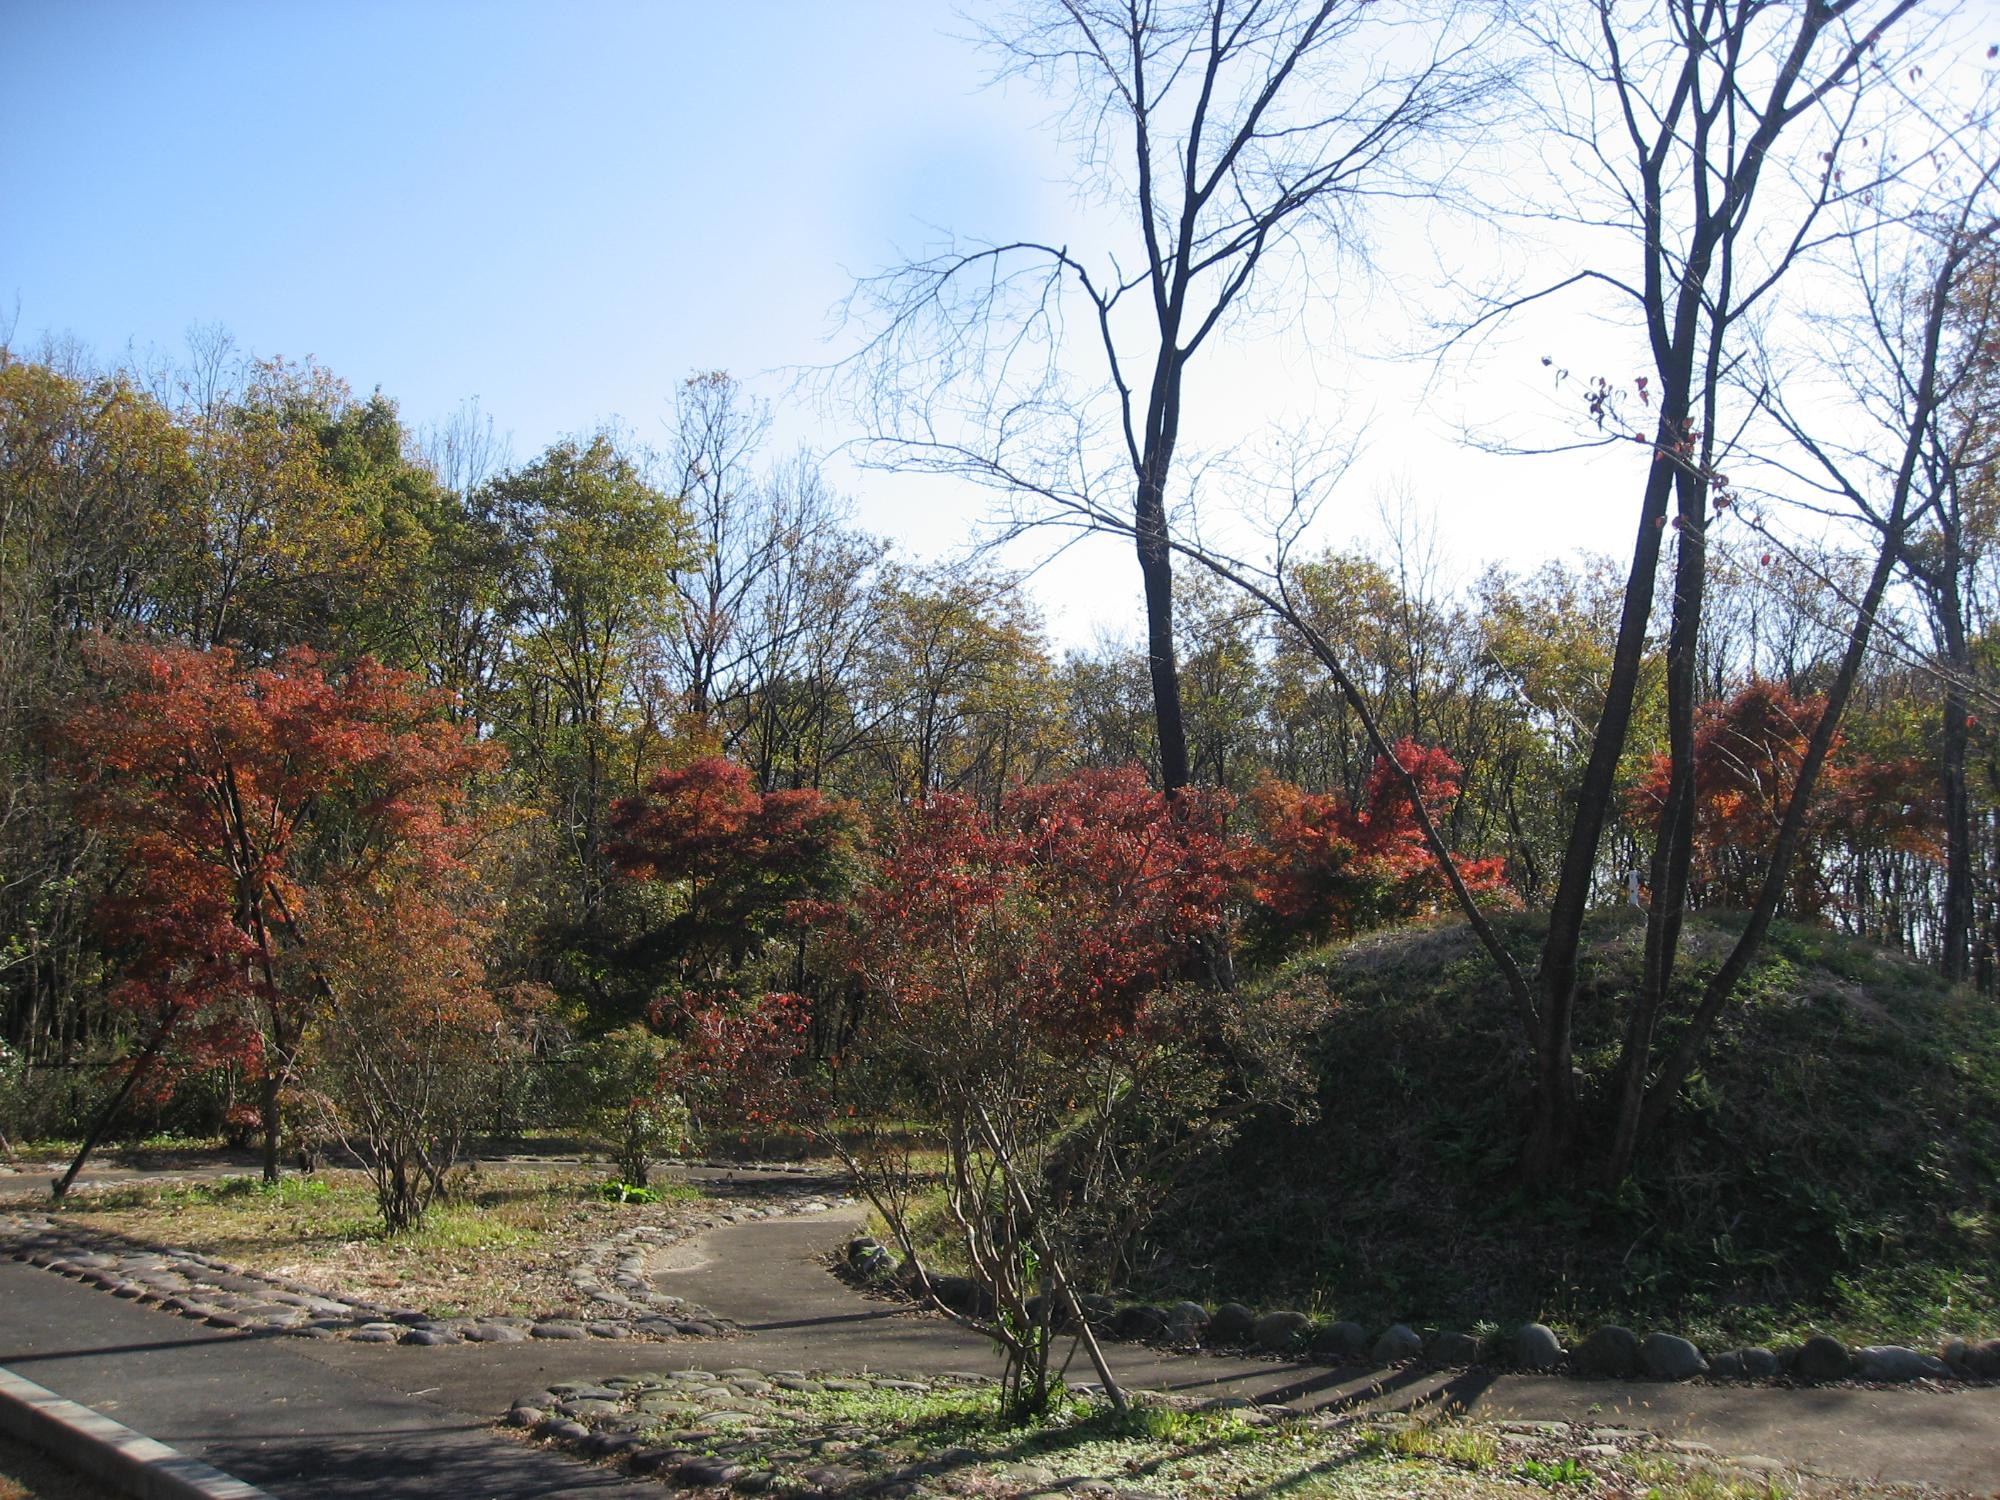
point(1987, 924)
point(1721, 987)
point(1156, 569)
point(1552, 1125)
point(1955, 960)
point(1687, 307)
point(267, 1104)
point(1673, 849)
point(1681, 1059)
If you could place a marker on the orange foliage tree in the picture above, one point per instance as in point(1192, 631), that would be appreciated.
point(739, 859)
point(1748, 751)
point(406, 1068)
point(1018, 994)
point(274, 825)
point(732, 864)
point(1324, 868)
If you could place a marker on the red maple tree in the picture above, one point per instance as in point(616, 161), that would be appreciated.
point(1324, 867)
point(262, 813)
point(1747, 753)
point(1052, 923)
point(1012, 988)
point(733, 1060)
point(740, 857)
point(1062, 915)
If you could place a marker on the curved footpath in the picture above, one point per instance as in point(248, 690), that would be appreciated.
point(769, 1279)
point(339, 1419)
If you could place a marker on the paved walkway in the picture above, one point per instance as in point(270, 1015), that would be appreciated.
point(265, 1411)
point(381, 1421)
point(768, 1278)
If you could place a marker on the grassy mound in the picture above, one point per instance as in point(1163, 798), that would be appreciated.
point(1836, 1164)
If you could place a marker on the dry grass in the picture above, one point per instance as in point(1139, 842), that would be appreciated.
point(504, 1247)
point(28, 1474)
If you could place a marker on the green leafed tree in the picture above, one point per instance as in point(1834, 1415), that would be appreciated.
point(583, 705)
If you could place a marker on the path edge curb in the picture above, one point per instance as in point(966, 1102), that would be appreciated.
point(108, 1451)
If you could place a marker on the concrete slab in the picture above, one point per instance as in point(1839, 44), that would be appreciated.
point(258, 1408)
point(90, 1443)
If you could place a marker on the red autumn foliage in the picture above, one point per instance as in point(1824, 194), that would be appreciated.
point(1324, 868)
point(744, 856)
point(1061, 917)
point(1747, 756)
point(261, 814)
point(733, 1061)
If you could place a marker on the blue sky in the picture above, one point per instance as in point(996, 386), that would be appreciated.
point(559, 208)
point(563, 209)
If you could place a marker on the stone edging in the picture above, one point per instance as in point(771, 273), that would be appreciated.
point(611, 1274)
point(608, 1419)
point(112, 1453)
point(1609, 1352)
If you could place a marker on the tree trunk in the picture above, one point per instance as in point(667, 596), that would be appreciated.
point(1552, 1122)
point(61, 1186)
point(1673, 848)
point(1955, 959)
point(1552, 1126)
point(1721, 987)
point(267, 1104)
point(1156, 569)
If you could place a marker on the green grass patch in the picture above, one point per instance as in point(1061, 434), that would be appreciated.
point(625, 1192)
point(301, 1210)
point(953, 1441)
point(1554, 1473)
point(504, 1242)
point(1665, 1479)
point(1446, 1442)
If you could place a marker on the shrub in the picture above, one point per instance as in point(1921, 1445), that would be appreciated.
point(632, 1105)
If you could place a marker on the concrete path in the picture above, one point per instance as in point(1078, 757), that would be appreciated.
point(264, 1411)
point(338, 1419)
point(769, 1277)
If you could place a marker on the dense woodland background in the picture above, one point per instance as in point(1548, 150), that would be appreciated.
point(384, 787)
point(609, 609)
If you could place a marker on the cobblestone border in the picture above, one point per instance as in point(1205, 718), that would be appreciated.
point(1609, 1352)
point(611, 1274)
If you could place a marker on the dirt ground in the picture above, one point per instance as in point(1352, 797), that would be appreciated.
point(29, 1474)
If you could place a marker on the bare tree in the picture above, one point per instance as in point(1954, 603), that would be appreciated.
point(1668, 123)
point(775, 589)
point(1935, 363)
point(463, 451)
point(1224, 135)
point(718, 435)
point(817, 620)
point(1944, 562)
point(459, 612)
point(1916, 358)
point(1676, 116)
point(1954, 530)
